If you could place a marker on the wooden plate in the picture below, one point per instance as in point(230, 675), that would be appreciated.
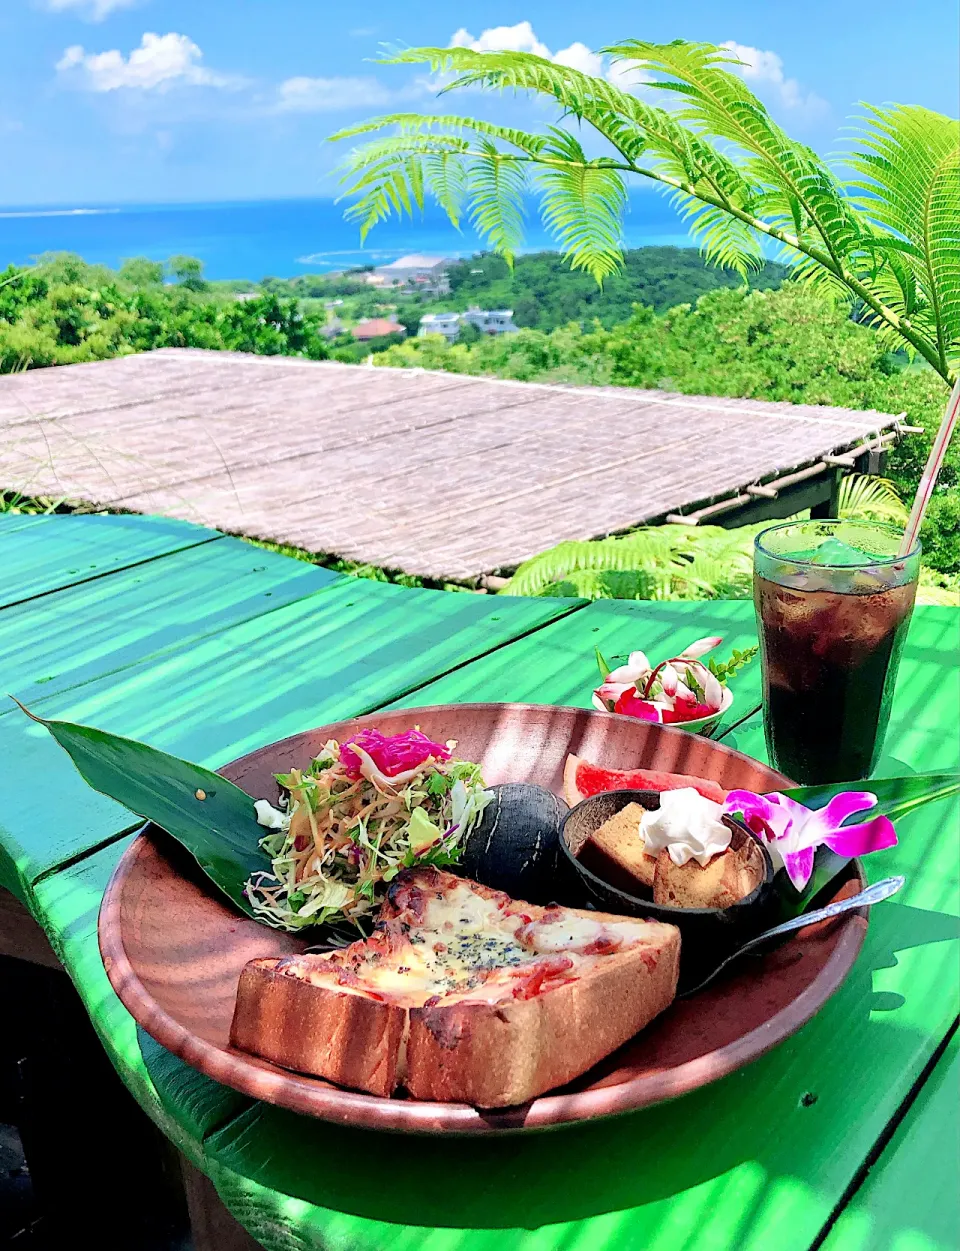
point(173, 947)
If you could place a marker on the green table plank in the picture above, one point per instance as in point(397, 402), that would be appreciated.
point(62, 550)
point(557, 665)
point(910, 1200)
point(347, 650)
point(68, 904)
point(60, 641)
point(743, 1165)
point(750, 1163)
point(18, 521)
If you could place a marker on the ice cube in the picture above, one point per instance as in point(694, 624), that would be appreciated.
point(835, 552)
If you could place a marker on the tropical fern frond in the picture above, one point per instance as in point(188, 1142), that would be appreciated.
point(723, 240)
point(909, 162)
point(662, 562)
point(582, 203)
point(389, 186)
point(446, 176)
point(734, 174)
point(871, 499)
point(444, 123)
point(717, 102)
point(496, 188)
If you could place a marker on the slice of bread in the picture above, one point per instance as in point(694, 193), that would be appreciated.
point(462, 994)
point(615, 852)
point(722, 881)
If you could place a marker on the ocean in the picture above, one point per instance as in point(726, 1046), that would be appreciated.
point(278, 238)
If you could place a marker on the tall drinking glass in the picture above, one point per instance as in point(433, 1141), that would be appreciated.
point(833, 603)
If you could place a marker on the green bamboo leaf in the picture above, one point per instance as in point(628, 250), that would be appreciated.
point(895, 796)
point(220, 830)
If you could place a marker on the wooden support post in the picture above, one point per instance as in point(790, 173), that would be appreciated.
point(831, 505)
point(211, 1226)
point(96, 1160)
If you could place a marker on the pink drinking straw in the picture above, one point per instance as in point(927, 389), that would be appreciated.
point(931, 470)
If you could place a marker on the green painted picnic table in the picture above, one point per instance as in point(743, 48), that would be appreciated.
point(843, 1137)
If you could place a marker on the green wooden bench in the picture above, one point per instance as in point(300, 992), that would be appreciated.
point(208, 647)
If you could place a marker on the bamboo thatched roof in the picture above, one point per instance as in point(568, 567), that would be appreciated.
point(436, 474)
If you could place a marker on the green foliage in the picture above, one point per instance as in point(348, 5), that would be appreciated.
point(889, 240)
point(188, 272)
point(63, 311)
point(564, 355)
point(873, 499)
point(793, 344)
point(725, 669)
point(139, 271)
point(940, 534)
point(545, 294)
point(657, 562)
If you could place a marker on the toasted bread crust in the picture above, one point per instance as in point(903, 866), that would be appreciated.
point(491, 1053)
point(498, 1055)
point(347, 1038)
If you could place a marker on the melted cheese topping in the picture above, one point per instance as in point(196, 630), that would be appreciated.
point(462, 946)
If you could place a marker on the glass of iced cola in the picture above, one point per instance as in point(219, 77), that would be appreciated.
point(833, 602)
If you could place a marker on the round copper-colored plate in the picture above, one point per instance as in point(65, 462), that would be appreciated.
point(173, 947)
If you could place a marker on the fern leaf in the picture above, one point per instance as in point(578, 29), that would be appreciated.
point(446, 176)
point(909, 160)
point(496, 186)
point(871, 499)
point(582, 205)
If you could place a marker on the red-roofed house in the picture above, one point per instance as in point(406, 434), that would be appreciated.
point(376, 328)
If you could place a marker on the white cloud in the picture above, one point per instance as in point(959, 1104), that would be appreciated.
point(90, 10)
point(764, 72)
point(523, 38)
point(329, 95)
point(158, 63)
point(579, 57)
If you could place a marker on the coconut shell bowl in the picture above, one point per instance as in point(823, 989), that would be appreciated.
point(708, 934)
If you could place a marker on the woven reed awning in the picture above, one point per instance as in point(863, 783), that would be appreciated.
point(435, 474)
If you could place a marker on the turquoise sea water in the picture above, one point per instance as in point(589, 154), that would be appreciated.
point(271, 237)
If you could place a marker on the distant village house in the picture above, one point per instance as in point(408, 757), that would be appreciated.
point(425, 274)
point(447, 324)
point(376, 328)
point(487, 321)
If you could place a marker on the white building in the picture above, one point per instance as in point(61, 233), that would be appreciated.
point(492, 321)
point(447, 324)
point(427, 274)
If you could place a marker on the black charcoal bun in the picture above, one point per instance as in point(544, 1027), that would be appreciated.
point(515, 847)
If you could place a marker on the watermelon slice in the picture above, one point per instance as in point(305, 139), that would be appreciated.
point(581, 778)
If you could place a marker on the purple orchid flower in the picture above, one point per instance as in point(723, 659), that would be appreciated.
point(792, 832)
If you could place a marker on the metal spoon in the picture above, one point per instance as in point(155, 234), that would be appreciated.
point(873, 894)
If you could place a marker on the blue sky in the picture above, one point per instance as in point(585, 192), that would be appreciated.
point(117, 101)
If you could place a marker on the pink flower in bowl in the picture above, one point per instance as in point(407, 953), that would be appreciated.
point(680, 691)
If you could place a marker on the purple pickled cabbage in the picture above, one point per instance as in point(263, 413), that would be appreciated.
point(391, 753)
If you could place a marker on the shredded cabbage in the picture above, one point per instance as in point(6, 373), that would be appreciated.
point(345, 832)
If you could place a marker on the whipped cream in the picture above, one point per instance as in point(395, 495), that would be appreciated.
point(688, 825)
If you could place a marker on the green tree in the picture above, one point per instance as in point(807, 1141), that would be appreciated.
point(140, 271)
point(890, 238)
point(188, 271)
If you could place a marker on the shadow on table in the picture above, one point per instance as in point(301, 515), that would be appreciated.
point(839, 1080)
